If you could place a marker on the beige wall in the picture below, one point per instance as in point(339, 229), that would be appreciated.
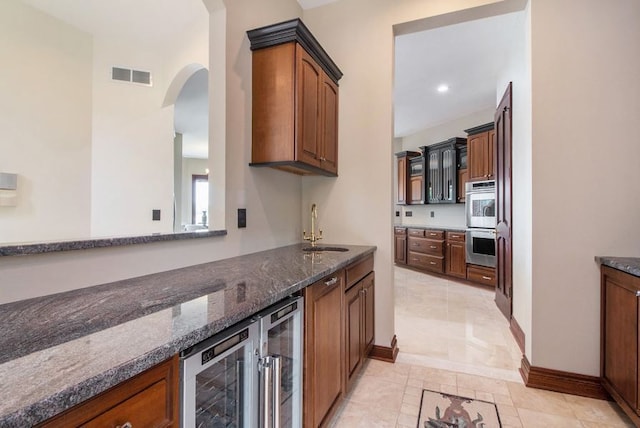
point(272, 198)
point(45, 117)
point(585, 66)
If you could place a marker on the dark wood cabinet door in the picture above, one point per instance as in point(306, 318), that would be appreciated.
point(401, 249)
point(353, 332)
point(368, 305)
point(477, 147)
point(150, 399)
point(620, 365)
point(491, 152)
point(456, 259)
point(329, 125)
point(403, 180)
point(309, 83)
point(502, 155)
point(323, 356)
point(416, 189)
point(463, 177)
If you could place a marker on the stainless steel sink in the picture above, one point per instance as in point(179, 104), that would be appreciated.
point(325, 248)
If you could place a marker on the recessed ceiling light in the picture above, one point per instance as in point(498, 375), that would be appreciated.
point(443, 88)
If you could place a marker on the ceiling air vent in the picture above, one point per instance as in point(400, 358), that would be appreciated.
point(130, 75)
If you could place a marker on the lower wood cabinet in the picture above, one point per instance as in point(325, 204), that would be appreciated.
point(439, 251)
point(339, 333)
point(150, 399)
point(400, 239)
point(620, 323)
point(482, 275)
point(456, 255)
point(425, 249)
point(323, 349)
point(359, 328)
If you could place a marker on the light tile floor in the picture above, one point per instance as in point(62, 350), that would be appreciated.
point(453, 339)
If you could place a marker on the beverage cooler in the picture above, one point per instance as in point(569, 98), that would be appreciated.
point(249, 375)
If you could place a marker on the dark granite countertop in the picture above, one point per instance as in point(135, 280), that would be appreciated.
point(60, 350)
point(25, 249)
point(425, 227)
point(630, 265)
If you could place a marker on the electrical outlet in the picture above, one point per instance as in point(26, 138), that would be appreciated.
point(433, 214)
point(397, 213)
point(408, 213)
point(155, 215)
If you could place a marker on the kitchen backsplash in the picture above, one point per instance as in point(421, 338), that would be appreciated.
point(420, 215)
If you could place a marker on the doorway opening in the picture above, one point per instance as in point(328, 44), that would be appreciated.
point(473, 60)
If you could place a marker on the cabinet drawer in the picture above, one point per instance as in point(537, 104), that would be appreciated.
point(455, 237)
point(434, 234)
point(358, 270)
point(150, 399)
point(426, 261)
point(419, 233)
point(426, 246)
point(481, 275)
point(400, 230)
point(145, 409)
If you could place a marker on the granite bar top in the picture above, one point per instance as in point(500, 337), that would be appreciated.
point(25, 249)
point(630, 265)
point(57, 351)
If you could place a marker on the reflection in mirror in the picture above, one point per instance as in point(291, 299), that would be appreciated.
point(94, 150)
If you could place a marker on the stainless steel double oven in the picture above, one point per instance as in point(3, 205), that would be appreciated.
point(480, 205)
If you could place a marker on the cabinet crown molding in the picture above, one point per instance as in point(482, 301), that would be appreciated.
point(480, 128)
point(294, 30)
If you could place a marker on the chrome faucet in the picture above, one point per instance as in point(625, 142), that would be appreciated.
point(313, 238)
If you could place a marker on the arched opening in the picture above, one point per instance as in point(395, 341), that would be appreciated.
point(189, 94)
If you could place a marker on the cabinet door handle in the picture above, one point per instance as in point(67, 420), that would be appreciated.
point(638, 293)
point(432, 263)
point(486, 277)
point(332, 281)
point(432, 234)
point(433, 247)
point(125, 425)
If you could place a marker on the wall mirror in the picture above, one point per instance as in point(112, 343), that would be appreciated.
point(105, 119)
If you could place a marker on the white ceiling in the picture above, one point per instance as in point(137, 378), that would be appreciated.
point(467, 57)
point(308, 4)
point(148, 22)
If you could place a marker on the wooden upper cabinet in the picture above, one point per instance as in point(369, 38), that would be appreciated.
point(442, 171)
point(409, 189)
point(329, 126)
point(294, 101)
point(481, 148)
